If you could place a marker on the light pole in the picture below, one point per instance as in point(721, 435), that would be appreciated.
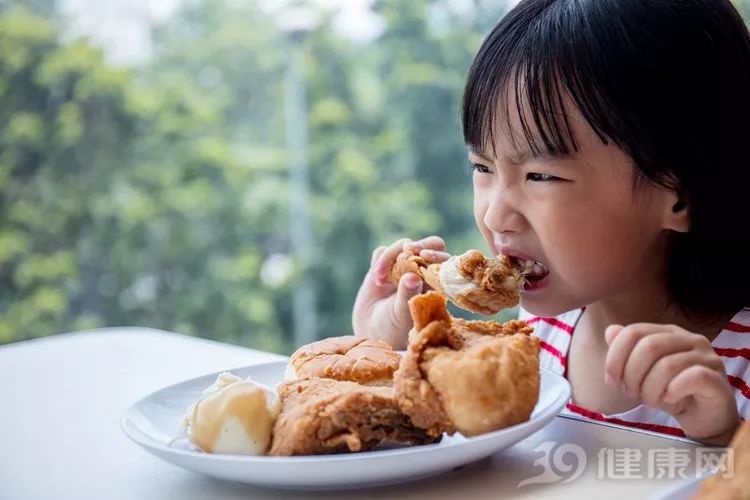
point(298, 23)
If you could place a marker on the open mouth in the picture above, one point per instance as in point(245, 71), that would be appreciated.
point(532, 271)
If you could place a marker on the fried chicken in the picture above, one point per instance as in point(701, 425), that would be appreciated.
point(736, 484)
point(466, 376)
point(321, 416)
point(471, 281)
point(349, 358)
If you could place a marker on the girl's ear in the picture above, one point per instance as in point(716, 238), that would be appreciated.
point(676, 216)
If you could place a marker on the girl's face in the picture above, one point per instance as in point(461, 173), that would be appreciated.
point(596, 233)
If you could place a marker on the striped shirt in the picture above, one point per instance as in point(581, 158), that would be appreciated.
point(732, 344)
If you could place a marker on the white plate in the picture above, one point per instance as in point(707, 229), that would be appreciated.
point(154, 422)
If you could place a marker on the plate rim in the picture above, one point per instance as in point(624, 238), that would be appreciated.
point(149, 443)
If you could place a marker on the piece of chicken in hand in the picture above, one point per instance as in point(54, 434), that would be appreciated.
point(471, 281)
point(466, 376)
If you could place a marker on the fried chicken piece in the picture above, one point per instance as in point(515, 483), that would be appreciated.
point(350, 358)
point(321, 416)
point(466, 376)
point(471, 281)
point(736, 486)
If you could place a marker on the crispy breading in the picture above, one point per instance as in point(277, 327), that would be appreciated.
point(493, 284)
point(467, 376)
point(407, 262)
point(349, 358)
point(321, 416)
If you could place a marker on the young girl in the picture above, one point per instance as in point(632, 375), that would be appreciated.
point(609, 143)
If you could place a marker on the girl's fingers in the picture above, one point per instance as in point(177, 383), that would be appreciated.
point(611, 332)
point(434, 255)
point(704, 403)
point(698, 381)
point(620, 347)
point(376, 254)
point(665, 369)
point(647, 352)
point(385, 260)
point(429, 243)
point(384, 257)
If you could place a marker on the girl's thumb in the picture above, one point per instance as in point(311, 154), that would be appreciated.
point(408, 286)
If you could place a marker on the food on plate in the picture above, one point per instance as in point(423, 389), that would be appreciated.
point(735, 484)
point(348, 394)
point(471, 281)
point(467, 376)
point(320, 415)
point(348, 358)
point(233, 416)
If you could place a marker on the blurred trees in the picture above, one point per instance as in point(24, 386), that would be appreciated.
point(67, 128)
point(743, 6)
point(158, 195)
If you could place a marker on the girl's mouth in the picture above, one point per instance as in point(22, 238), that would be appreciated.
point(533, 272)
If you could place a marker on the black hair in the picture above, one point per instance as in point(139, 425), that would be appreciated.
point(668, 82)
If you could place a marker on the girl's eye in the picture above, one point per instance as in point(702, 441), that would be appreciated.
point(536, 177)
point(476, 167)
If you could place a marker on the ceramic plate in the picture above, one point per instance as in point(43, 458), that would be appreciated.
point(154, 422)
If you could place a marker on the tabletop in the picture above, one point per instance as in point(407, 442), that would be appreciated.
point(61, 399)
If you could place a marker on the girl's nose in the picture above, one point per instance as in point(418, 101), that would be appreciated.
point(502, 215)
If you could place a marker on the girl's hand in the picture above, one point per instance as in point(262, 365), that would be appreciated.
point(675, 371)
point(381, 310)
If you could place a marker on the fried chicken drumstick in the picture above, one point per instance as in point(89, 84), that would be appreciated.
point(466, 376)
point(471, 281)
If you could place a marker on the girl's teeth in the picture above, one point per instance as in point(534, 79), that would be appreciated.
point(531, 267)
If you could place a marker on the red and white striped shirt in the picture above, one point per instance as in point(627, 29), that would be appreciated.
point(732, 344)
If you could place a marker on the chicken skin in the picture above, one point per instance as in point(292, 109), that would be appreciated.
point(471, 281)
point(466, 376)
point(320, 415)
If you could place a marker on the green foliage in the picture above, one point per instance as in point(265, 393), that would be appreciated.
point(158, 195)
point(743, 6)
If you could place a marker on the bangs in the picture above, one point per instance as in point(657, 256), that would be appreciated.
point(528, 67)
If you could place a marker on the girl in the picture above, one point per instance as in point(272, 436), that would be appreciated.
point(608, 143)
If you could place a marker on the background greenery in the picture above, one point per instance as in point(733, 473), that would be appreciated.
point(157, 195)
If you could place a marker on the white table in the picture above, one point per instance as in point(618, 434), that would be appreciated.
point(61, 399)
